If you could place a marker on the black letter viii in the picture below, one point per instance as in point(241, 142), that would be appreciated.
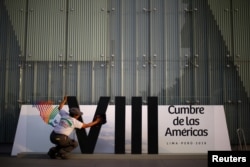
point(87, 142)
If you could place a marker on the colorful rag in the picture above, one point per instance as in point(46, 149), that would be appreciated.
point(47, 112)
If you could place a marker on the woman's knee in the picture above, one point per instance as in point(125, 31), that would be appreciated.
point(74, 143)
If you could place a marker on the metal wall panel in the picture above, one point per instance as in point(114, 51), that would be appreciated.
point(141, 49)
point(186, 40)
point(241, 54)
point(157, 78)
point(232, 20)
point(128, 49)
point(200, 52)
point(230, 17)
point(115, 53)
point(87, 34)
point(57, 81)
point(174, 53)
point(85, 86)
point(241, 36)
point(222, 14)
point(9, 72)
point(216, 62)
point(87, 30)
point(46, 30)
point(17, 14)
point(3, 37)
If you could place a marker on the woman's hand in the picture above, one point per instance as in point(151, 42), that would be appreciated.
point(65, 98)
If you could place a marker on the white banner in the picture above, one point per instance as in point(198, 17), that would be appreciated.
point(181, 129)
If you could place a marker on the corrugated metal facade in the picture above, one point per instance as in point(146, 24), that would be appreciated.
point(184, 52)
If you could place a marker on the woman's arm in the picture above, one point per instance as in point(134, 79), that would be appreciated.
point(97, 120)
point(62, 103)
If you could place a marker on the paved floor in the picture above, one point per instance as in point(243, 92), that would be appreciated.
point(102, 160)
point(105, 160)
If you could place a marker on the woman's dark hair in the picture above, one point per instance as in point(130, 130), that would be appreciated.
point(72, 115)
